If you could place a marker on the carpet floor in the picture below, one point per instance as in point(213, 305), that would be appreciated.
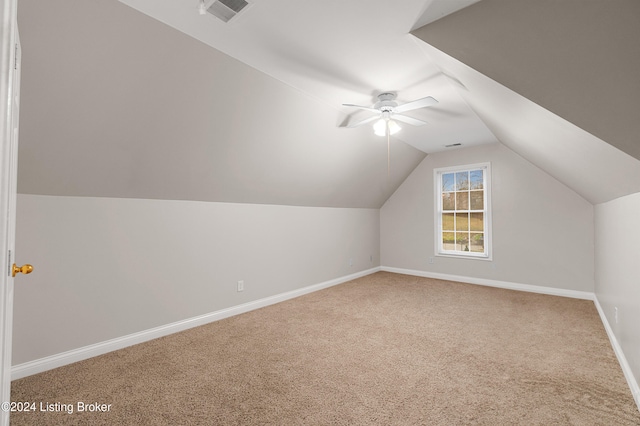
point(385, 349)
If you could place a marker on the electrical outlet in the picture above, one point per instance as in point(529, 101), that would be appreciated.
point(370, 258)
point(351, 262)
point(615, 313)
point(240, 285)
point(431, 260)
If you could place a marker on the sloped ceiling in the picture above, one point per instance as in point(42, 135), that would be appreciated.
point(578, 59)
point(555, 81)
point(117, 104)
point(339, 52)
point(156, 101)
point(594, 169)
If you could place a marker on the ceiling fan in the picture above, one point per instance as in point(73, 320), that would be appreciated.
point(387, 110)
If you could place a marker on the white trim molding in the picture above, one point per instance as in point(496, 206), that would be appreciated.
point(38, 366)
point(575, 294)
point(486, 211)
point(626, 368)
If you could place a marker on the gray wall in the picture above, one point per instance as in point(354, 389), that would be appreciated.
point(106, 268)
point(617, 281)
point(542, 230)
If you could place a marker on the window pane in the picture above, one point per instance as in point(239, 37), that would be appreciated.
point(462, 241)
point(476, 179)
point(447, 222)
point(477, 200)
point(462, 200)
point(477, 243)
point(447, 182)
point(448, 201)
point(462, 181)
point(477, 222)
point(448, 241)
point(462, 221)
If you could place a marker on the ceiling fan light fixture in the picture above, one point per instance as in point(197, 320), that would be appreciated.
point(394, 127)
point(380, 127)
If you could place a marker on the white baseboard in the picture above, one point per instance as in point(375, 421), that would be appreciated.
point(38, 366)
point(626, 368)
point(575, 294)
point(75, 355)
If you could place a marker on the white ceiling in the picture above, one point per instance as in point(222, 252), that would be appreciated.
point(117, 104)
point(339, 52)
point(348, 52)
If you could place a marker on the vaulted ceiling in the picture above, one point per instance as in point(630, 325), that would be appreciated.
point(149, 99)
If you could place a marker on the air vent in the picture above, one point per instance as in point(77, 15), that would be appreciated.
point(452, 145)
point(226, 9)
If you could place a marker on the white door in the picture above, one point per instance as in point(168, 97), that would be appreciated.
point(9, 102)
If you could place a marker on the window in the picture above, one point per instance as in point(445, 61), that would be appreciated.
point(463, 217)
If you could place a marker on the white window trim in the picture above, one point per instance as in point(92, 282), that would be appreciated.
point(488, 239)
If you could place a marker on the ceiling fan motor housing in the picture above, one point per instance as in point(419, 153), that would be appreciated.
point(386, 102)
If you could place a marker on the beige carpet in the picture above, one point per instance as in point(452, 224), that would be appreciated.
point(385, 349)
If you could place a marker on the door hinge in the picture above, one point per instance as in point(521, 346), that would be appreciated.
point(15, 57)
point(9, 263)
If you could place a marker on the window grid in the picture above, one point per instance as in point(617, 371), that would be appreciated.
point(462, 211)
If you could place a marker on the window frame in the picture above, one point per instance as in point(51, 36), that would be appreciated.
point(488, 237)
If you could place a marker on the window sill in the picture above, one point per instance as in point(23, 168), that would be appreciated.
point(465, 256)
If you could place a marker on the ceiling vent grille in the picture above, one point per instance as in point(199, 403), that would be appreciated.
point(226, 9)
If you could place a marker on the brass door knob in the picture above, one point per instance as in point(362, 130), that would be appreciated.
point(24, 269)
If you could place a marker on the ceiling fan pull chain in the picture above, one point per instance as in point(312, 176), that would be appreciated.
point(388, 152)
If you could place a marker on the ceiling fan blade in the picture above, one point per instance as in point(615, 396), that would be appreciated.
point(365, 121)
point(408, 120)
point(420, 103)
point(362, 107)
